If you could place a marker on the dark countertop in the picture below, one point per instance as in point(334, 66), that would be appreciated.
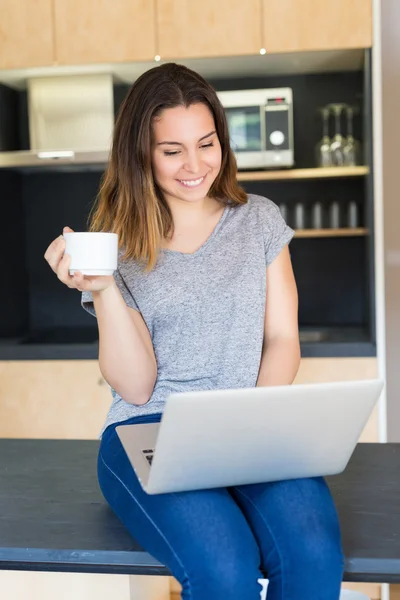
point(53, 517)
point(91, 352)
point(71, 343)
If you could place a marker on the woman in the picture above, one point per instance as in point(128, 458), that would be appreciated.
point(204, 298)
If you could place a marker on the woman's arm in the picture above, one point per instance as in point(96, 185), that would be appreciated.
point(126, 355)
point(281, 349)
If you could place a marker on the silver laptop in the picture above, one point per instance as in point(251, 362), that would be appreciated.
point(233, 437)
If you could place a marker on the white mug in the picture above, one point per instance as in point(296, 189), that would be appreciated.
point(92, 253)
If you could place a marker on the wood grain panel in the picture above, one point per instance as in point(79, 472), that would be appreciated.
point(206, 28)
point(395, 592)
point(23, 585)
point(26, 33)
point(294, 25)
point(81, 586)
point(372, 590)
point(321, 370)
point(96, 31)
point(52, 399)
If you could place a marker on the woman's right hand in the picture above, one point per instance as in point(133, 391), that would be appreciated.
point(59, 262)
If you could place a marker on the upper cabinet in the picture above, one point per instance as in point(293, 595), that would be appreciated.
point(95, 31)
point(26, 33)
point(71, 32)
point(205, 28)
point(300, 25)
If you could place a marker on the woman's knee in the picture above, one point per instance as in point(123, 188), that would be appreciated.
point(224, 570)
point(313, 539)
point(320, 550)
point(297, 524)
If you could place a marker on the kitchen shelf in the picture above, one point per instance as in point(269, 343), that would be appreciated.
point(341, 232)
point(316, 173)
point(32, 161)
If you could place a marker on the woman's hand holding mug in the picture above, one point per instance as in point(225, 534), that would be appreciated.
point(84, 261)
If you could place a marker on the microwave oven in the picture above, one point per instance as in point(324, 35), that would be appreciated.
point(260, 126)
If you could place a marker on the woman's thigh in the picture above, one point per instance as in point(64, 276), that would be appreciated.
point(202, 536)
point(297, 529)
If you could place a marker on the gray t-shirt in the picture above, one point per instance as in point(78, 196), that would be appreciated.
point(205, 311)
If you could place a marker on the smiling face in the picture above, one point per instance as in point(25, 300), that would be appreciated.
point(186, 153)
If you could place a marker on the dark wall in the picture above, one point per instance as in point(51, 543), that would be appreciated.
point(331, 273)
point(52, 201)
point(308, 192)
point(331, 282)
point(309, 93)
point(14, 294)
point(9, 138)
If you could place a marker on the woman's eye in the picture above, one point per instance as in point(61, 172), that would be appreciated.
point(176, 152)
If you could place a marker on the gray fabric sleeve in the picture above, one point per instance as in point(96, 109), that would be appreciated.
point(87, 299)
point(277, 234)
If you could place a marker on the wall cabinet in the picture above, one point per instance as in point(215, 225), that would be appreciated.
point(26, 33)
point(208, 28)
point(71, 32)
point(93, 31)
point(301, 25)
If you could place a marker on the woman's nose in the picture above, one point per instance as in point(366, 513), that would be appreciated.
point(192, 162)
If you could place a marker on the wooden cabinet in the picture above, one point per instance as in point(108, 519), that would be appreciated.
point(52, 399)
point(205, 28)
point(300, 25)
point(96, 31)
point(26, 33)
point(68, 32)
point(42, 585)
point(70, 399)
point(322, 370)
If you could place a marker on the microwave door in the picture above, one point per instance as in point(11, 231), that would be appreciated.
point(247, 134)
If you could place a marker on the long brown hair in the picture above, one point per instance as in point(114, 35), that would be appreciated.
point(129, 201)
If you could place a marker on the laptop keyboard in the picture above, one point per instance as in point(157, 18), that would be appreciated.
point(148, 454)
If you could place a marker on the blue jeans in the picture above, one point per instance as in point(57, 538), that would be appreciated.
point(219, 542)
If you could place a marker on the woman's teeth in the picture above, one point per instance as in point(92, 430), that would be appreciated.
point(192, 182)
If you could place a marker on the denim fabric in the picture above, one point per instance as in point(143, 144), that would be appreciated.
point(219, 542)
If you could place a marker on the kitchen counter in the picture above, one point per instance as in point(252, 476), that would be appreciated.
point(82, 343)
